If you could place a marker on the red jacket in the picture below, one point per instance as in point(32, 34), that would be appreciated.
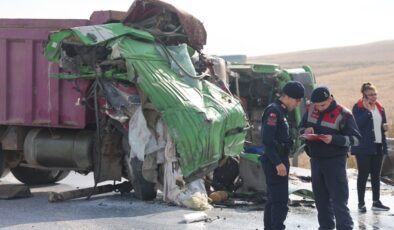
point(336, 121)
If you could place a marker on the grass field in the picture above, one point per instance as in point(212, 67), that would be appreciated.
point(344, 69)
point(346, 86)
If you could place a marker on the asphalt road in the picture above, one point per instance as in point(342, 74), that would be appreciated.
point(113, 211)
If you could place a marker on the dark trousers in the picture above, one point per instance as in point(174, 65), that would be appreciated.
point(276, 209)
point(369, 164)
point(331, 191)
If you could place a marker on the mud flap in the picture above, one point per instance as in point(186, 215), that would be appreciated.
point(143, 189)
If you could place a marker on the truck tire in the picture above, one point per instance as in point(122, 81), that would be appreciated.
point(32, 176)
point(143, 189)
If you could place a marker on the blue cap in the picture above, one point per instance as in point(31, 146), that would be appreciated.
point(294, 89)
point(320, 94)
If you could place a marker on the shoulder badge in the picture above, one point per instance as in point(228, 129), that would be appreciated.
point(272, 119)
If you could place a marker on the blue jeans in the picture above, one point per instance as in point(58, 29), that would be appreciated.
point(369, 164)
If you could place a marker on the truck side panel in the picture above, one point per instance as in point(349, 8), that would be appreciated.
point(27, 96)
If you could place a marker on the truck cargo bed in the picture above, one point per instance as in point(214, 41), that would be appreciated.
point(28, 97)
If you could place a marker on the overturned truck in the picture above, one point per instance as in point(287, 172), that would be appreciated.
point(123, 100)
point(258, 85)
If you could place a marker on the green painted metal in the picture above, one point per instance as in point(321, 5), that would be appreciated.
point(284, 77)
point(257, 68)
point(251, 157)
point(265, 68)
point(198, 120)
point(308, 69)
point(51, 50)
point(91, 35)
point(90, 74)
point(205, 124)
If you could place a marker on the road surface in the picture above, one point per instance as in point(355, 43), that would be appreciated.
point(113, 211)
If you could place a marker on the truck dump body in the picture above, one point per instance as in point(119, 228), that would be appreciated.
point(28, 97)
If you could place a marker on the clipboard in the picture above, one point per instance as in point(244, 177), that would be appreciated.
point(312, 137)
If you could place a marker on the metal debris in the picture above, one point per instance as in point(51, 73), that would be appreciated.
point(13, 191)
point(124, 187)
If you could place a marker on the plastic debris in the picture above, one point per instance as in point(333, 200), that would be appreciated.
point(195, 217)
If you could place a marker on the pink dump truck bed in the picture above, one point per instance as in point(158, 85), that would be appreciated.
point(28, 97)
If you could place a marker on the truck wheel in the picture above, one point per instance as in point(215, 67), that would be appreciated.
point(32, 176)
point(143, 189)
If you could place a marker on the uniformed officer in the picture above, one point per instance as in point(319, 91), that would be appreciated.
point(277, 143)
point(328, 154)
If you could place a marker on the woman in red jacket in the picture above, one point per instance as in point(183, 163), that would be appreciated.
point(371, 120)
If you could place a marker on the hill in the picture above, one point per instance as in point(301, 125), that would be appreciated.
point(344, 69)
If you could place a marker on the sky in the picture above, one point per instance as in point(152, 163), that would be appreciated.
point(250, 27)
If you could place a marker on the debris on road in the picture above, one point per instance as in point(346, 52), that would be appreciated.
point(13, 191)
point(218, 196)
point(124, 187)
point(195, 217)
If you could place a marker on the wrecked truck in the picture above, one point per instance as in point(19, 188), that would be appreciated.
point(119, 97)
point(258, 85)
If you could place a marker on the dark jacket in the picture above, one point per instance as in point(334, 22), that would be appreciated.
point(365, 124)
point(337, 121)
point(275, 134)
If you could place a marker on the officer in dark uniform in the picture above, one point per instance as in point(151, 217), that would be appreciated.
point(338, 131)
point(277, 143)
